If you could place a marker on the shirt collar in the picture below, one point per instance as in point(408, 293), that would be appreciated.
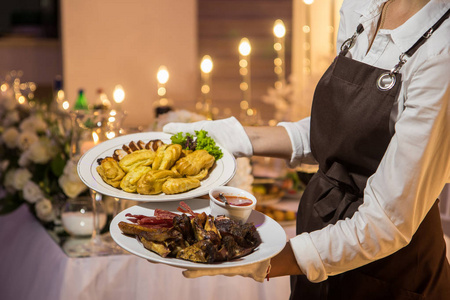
point(406, 35)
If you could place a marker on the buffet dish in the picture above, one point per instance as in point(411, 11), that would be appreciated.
point(267, 237)
point(149, 167)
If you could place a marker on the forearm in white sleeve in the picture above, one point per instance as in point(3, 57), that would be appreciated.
point(299, 135)
point(398, 196)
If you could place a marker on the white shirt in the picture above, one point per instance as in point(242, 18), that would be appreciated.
point(416, 165)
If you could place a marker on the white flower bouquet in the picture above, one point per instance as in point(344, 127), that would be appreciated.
point(35, 162)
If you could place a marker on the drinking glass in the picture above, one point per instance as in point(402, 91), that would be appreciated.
point(89, 129)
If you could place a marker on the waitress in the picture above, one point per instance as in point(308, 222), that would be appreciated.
point(368, 222)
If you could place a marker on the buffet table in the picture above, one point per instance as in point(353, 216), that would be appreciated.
point(33, 266)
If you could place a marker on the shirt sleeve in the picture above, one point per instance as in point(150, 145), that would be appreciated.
point(400, 193)
point(299, 135)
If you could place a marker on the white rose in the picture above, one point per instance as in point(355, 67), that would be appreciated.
point(26, 139)
point(8, 182)
point(10, 136)
point(70, 170)
point(21, 176)
point(41, 152)
point(72, 188)
point(44, 210)
point(9, 102)
point(4, 165)
point(32, 192)
point(24, 159)
point(33, 123)
point(11, 118)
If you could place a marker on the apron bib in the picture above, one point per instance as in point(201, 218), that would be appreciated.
point(349, 136)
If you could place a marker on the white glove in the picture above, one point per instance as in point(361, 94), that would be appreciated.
point(228, 133)
point(257, 271)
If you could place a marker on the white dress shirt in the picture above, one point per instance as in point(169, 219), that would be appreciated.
point(416, 164)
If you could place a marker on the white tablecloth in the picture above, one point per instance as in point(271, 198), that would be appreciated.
point(33, 266)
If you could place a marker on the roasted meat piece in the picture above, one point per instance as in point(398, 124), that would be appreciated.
point(203, 251)
point(245, 235)
point(199, 238)
point(182, 223)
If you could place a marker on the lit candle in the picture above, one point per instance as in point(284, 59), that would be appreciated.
point(163, 103)
point(244, 63)
point(163, 77)
point(307, 31)
point(279, 30)
point(86, 145)
point(206, 67)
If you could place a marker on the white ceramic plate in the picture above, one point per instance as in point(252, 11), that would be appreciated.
point(222, 172)
point(272, 235)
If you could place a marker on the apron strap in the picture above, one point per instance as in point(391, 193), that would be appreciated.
point(419, 43)
point(427, 34)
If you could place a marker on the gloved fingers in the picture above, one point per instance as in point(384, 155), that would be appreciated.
point(176, 127)
point(257, 271)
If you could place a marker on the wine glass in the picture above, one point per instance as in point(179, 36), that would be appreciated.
point(89, 129)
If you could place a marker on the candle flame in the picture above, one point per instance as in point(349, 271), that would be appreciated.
point(206, 65)
point(278, 29)
point(95, 137)
point(162, 75)
point(244, 47)
point(119, 94)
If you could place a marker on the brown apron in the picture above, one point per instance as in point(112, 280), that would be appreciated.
point(349, 136)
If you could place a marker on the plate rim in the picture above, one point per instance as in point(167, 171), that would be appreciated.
point(85, 162)
point(280, 239)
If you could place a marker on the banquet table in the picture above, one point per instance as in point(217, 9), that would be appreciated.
point(34, 266)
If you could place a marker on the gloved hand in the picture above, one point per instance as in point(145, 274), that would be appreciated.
point(228, 133)
point(258, 271)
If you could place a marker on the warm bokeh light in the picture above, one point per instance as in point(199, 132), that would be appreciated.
point(206, 65)
point(95, 137)
point(4, 87)
point(161, 91)
point(119, 94)
point(277, 46)
point(162, 75)
point(308, 2)
point(205, 89)
point(279, 29)
point(66, 105)
point(244, 47)
point(110, 135)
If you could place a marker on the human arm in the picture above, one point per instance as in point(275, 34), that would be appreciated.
point(289, 140)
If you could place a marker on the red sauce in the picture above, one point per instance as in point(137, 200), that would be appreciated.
point(237, 200)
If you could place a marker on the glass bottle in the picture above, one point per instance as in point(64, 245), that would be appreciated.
point(81, 103)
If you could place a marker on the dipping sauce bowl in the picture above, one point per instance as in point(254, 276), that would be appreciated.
point(241, 203)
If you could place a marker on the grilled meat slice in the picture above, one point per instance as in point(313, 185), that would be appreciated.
point(200, 233)
point(159, 248)
point(182, 223)
point(135, 229)
point(203, 251)
point(233, 250)
point(245, 235)
point(161, 235)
